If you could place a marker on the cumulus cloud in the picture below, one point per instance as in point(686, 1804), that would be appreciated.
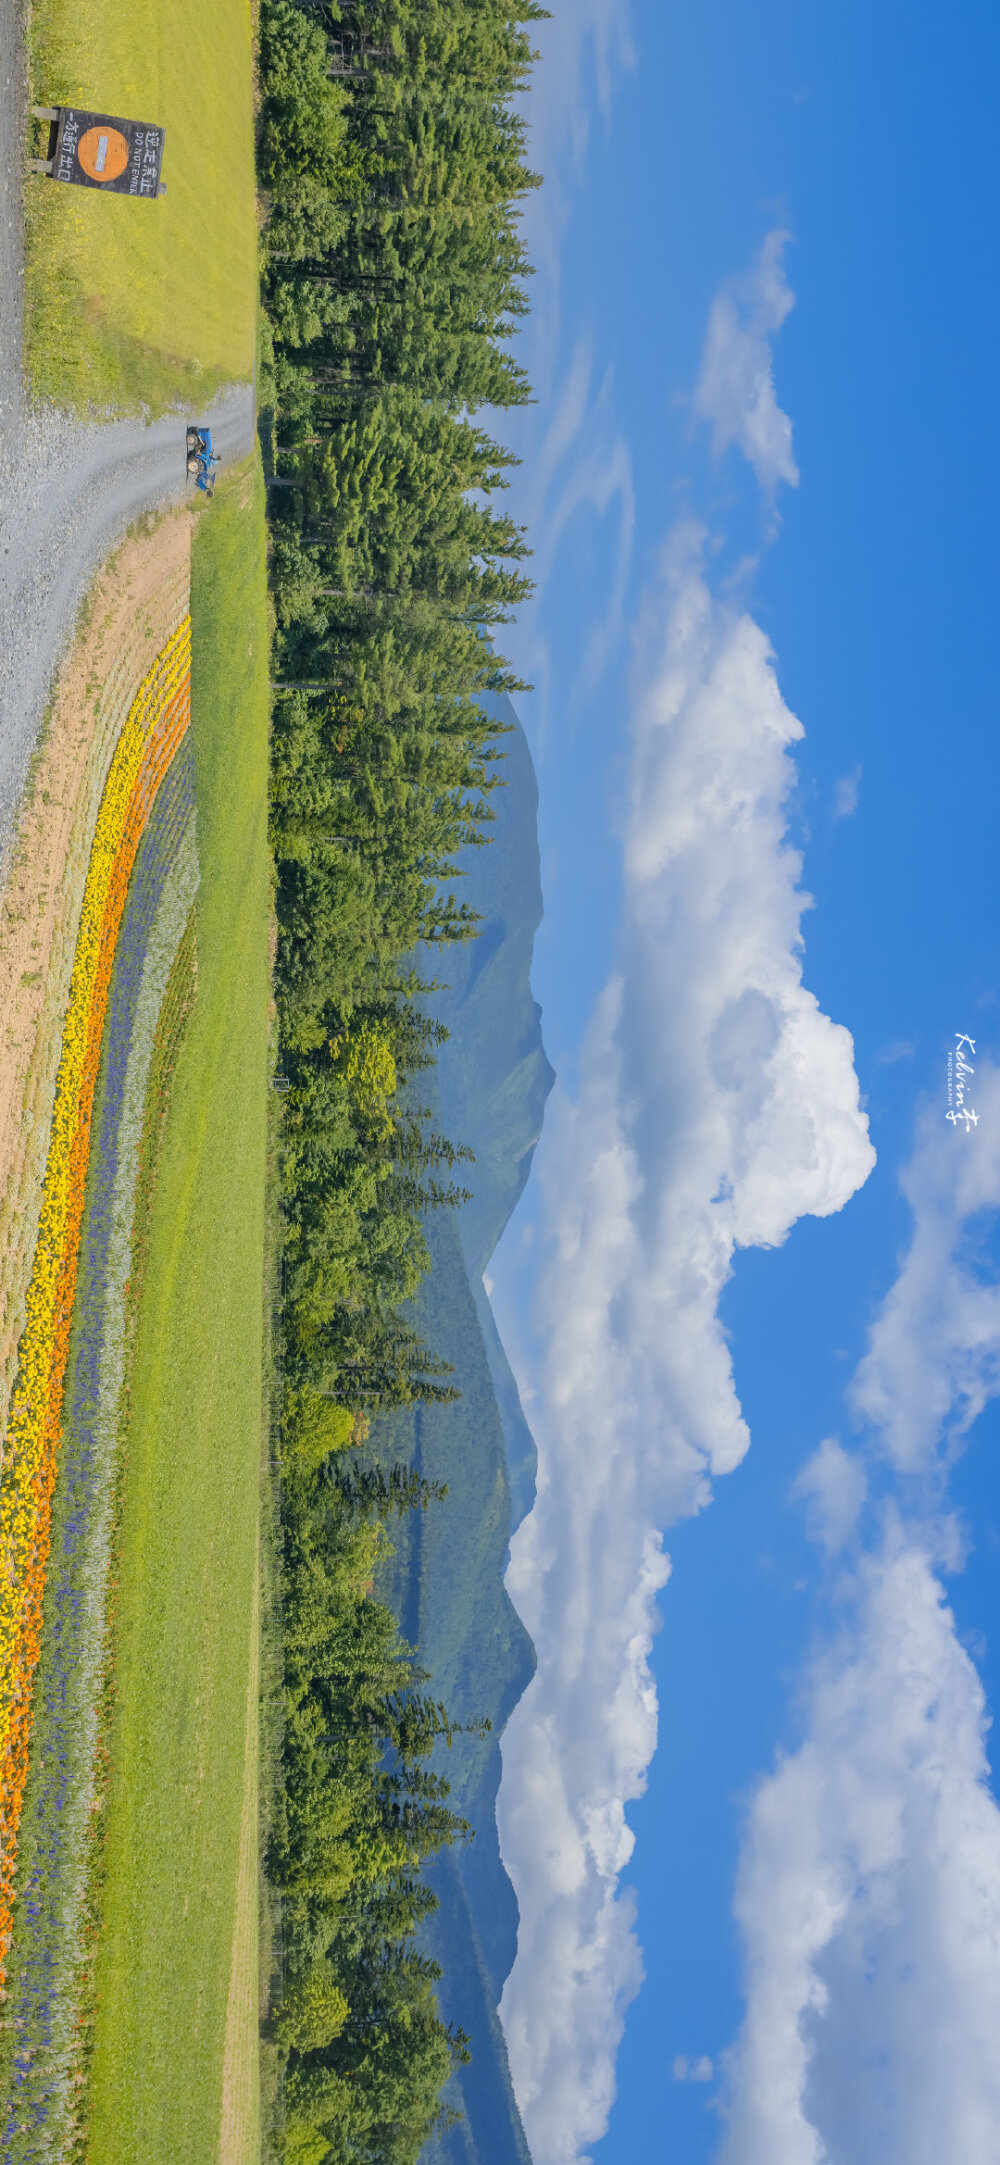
point(933, 1358)
point(869, 1891)
point(736, 393)
point(717, 1104)
point(832, 1485)
point(869, 1899)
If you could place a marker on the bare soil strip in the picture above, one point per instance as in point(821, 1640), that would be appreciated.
point(135, 603)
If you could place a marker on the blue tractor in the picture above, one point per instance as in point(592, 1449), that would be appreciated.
point(201, 459)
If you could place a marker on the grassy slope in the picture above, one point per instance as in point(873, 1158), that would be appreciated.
point(128, 302)
point(190, 1516)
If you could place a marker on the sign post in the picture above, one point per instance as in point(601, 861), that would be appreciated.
point(100, 150)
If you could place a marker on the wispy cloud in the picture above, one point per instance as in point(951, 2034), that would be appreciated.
point(846, 794)
point(579, 480)
point(869, 1892)
point(583, 53)
point(700, 2070)
point(736, 393)
point(899, 1048)
point(573, 490)
point(717, 1105)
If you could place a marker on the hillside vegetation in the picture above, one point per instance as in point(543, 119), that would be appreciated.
point(392, 160)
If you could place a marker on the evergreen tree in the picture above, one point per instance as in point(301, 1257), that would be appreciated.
point(392, 170)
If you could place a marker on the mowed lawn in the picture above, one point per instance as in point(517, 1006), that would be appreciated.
point(183, 1753)
point(133, 303)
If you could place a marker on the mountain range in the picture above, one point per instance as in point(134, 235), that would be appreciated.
point(445, 1578)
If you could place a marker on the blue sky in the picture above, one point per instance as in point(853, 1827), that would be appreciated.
point(704, 165)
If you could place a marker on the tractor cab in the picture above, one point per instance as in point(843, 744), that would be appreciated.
point(201, 459)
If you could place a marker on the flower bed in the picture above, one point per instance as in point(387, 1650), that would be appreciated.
point(155, 727)
point(50, 1961)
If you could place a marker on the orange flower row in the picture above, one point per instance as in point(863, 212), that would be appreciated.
point(155, 726)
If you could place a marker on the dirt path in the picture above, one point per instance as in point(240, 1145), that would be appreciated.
point(239, 2137)
point(67, 490)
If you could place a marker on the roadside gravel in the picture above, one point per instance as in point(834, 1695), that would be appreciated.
point(67, 489)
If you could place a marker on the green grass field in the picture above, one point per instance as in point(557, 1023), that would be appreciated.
point(183, 1753)
point(143, 303)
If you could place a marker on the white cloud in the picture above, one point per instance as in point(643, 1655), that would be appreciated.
point(833, 1487)
point(934, 1353)
point(869, 1899)
point(736, 394)
point(846, 794)
point(700, 2070)
point(869, 1891)
point(717, 1105)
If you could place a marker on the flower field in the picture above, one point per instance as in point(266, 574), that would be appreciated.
point(65, 1407)
point(137, 601)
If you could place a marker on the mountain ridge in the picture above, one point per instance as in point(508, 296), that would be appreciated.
point(445, 1578)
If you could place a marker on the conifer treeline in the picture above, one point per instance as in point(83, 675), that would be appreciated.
point(392, 164)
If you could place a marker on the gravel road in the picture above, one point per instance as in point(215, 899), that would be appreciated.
point(67, 489)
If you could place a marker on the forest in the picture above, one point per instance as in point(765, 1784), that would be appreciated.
point(391, 161)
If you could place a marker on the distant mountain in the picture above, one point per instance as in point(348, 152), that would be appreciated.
point(493, 1076)
point(445, 1580)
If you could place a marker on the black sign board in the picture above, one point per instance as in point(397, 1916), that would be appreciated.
point(99, 150)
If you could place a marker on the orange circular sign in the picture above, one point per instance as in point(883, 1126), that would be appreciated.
point(103, 153)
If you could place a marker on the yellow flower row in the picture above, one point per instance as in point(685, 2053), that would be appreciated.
point(156, 721)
